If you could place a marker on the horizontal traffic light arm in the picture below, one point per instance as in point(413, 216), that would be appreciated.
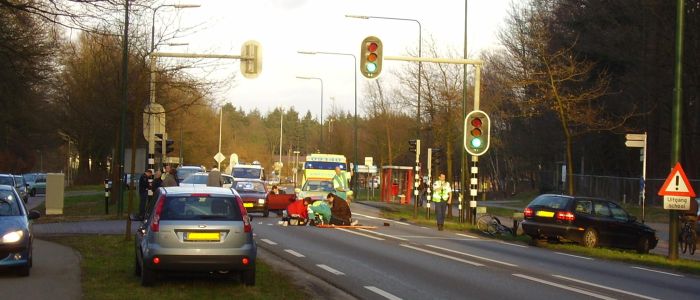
point(195, 55)
point(458, 61)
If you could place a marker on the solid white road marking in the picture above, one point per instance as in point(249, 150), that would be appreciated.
point(472, 255)
point(554, 284)
point(443, 255)
point(605, 287)
point(650, 270)
point(582, 257)
point(382, 234)
point(469, 236)
point(424, 227)
point(269, 241)
point(329, 269)
point(376, 218)
point(382, 293)
point(516, 245)
point(269, 224)
point(292, 252)
point(362, 234)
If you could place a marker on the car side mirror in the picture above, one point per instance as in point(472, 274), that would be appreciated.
point(135, 217)
point(632, 219)
point(34, 214)
point(250, 218)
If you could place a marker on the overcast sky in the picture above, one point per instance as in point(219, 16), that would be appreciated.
point(285, 26)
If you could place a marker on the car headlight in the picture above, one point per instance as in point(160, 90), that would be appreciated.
point(13, 237)
point(261, 201)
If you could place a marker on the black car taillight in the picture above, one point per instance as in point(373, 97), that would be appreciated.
point(528, 213)
point(565, 216)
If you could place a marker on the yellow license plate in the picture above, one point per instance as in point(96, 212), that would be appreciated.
point(547, 214)
point(247, 204)
point(203, 236)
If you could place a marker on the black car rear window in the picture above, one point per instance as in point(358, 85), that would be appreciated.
point(552, 202)
point(201, 208)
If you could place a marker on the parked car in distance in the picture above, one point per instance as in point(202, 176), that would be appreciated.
point(590, 222)
point(195, 230)
point(185, 171)
point(254, 195)
point(201, 178)
point(22, 188)
point(38, 185)
point(16, 232)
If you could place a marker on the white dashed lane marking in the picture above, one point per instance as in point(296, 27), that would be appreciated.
point(292, 252)
point(382, 293)
point(331, 270)
point(268, 241)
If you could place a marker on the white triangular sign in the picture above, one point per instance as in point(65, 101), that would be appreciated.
point(677, 185)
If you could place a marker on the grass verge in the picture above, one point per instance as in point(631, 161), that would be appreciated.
point(107, 267)
point(84, 208)
point(405, 213)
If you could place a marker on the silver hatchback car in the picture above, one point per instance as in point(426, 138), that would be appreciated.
point(195, 230)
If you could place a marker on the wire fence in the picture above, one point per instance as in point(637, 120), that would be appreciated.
point(621, 189)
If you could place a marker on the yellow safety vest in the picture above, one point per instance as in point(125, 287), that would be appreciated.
point(441, 191)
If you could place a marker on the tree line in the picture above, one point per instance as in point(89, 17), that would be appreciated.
point(570, 79)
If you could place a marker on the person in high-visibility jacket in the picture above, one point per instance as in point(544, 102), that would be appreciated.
point(341, 184)
point(442, 196)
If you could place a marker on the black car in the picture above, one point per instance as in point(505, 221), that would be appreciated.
point(254, 195)
point(588, 221)
point(15, 232)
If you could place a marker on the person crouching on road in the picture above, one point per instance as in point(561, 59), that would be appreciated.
point(442, 197)
point(298, 209)
point(340, 211)
point(320, 208)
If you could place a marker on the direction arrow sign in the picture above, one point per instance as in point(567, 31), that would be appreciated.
point(635, 136)
point(677, 184)
point(634, 144)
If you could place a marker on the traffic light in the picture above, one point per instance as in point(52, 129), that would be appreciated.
point(477, 128)
point(251, 59)
point(413, 145)
point(169, 146)
point(371, 57)
point(436, 156)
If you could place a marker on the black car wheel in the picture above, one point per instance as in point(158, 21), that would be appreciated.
point(137, 266)
point(590, 238)
point(23, 270)
point(148, 276)
point(266, 212)
point(248, 276)
point(32, 192)
point(643, 245)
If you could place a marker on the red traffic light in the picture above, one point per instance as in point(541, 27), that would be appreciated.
point(372, 47)
point(476, 122)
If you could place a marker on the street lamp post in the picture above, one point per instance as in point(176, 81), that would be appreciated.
point(419, 55)
point(296, 167)
point(320, 147)
point(354, 60)
point(153, 19)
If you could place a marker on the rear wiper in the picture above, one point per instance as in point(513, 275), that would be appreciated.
point(213, 217)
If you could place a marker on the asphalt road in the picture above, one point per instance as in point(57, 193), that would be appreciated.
point(404, 261)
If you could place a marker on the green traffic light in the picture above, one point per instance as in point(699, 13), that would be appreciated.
point(476, 142)
point(371, 67)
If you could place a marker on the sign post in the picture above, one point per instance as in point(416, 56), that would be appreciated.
point(677, 192)
point(634, 140)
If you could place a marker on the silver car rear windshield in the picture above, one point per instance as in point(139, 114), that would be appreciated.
point(196, 179)
point(201, 208)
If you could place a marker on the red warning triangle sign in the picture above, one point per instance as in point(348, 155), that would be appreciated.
point(677, 184)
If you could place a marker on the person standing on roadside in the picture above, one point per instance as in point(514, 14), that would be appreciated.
point(157, 181)
point(214, 178)
point(169, 177)
point(341, 184)
point(143, 190)
point(442, 198)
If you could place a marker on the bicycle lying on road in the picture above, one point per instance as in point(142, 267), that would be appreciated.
point(491, 225)
point(688, 237)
